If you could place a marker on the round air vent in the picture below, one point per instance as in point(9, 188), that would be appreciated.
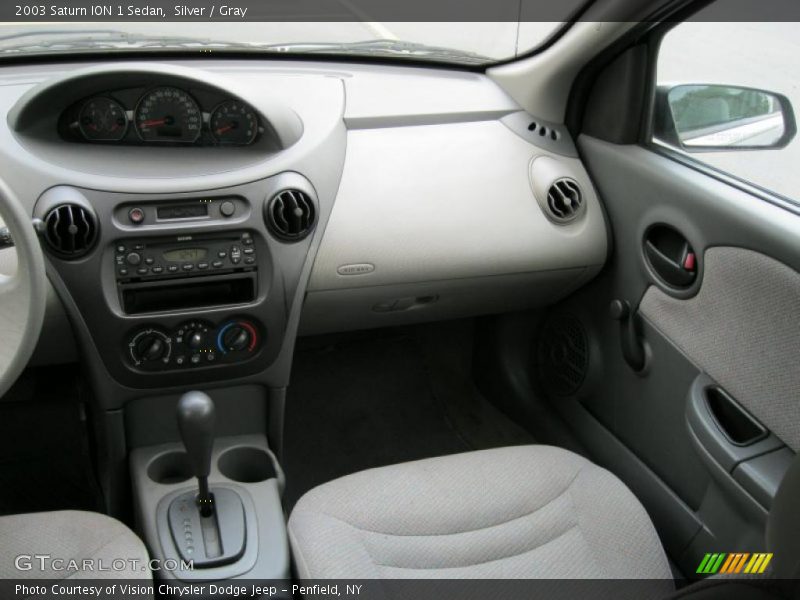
point(290, 215)
point(70, 230)
point(564, 200)
point(563, 355)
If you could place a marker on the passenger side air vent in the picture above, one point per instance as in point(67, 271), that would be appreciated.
point(290, 215)
point(70, 230)
point(564, 200)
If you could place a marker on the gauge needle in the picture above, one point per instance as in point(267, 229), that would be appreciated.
point(222, 130)
point(152, 122)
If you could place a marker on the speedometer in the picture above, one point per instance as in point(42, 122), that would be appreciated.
point(168, 114)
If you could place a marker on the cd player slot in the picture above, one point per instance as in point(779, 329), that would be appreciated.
point(187, 293)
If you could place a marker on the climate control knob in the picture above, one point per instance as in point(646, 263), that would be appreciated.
point(150, 348)
point(195, 339)
point(237, 336)
point(150, 345)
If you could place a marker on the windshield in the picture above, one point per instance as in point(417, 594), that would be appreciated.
point(469, 43)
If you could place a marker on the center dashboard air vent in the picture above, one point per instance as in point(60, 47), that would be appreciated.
point(564, 200)
point(70, 230)
point(290, 215)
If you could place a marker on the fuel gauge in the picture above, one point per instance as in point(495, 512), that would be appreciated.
point(102, 119)
point(233, 122)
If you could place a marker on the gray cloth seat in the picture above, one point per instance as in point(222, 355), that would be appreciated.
point(70, 535)
point(518, 512)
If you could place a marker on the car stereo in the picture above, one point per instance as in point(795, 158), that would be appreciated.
point(185, 272)
point(182, 256)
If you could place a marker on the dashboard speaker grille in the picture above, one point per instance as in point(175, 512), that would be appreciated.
point(564, 200)
point(563, 355)
point(70, 230)
point(291, 215)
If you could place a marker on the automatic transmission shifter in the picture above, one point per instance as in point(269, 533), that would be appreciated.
point(207, 528)
point(196, 424)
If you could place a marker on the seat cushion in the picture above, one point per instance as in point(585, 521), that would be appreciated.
point(519, 512)
point(70, 535)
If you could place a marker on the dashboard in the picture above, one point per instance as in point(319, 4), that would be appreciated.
point(165, 114)
point(198, 216)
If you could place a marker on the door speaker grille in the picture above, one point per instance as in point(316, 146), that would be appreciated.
point(563, 355)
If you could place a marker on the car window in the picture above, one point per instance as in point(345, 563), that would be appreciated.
point(471, 43)
point(726, 93)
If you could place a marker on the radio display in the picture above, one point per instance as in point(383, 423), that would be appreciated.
point(184, 254)
point(183, 211)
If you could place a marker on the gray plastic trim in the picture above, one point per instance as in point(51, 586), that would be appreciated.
point(328, 311)
point(707, 431)
point(733, 494)
point(454, 201)
point(266, 555)
point(541, 83)
point(522, 123)
point(762, 475)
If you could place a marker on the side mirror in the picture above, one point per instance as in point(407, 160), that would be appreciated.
point(703, 118)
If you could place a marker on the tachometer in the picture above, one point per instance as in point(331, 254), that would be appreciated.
point(234, 122)
point(102, 120)
point(168, 114)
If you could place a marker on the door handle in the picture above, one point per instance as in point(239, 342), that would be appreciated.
point(670, 256)
point(673, 272)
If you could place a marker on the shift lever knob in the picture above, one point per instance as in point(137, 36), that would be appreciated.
point(196, 424)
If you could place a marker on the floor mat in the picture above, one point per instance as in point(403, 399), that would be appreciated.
point(44, 451)
point(379, 398)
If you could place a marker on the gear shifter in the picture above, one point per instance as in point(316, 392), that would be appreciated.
point(207, 528)
point(196, 424)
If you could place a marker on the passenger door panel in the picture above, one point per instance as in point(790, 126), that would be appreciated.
point(733, 328)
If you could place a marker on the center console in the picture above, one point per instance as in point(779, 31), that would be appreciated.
point(189, 291)
point(209, 509)
point(181, 289)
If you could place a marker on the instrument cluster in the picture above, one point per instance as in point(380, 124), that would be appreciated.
point(162, 115)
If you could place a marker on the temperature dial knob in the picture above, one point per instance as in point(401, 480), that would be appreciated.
point(237, 336)
point(150, 345)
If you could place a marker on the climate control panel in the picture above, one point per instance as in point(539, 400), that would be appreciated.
point(194, 344)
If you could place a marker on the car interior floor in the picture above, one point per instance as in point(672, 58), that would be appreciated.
point(374, 398)
point(45, 452)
